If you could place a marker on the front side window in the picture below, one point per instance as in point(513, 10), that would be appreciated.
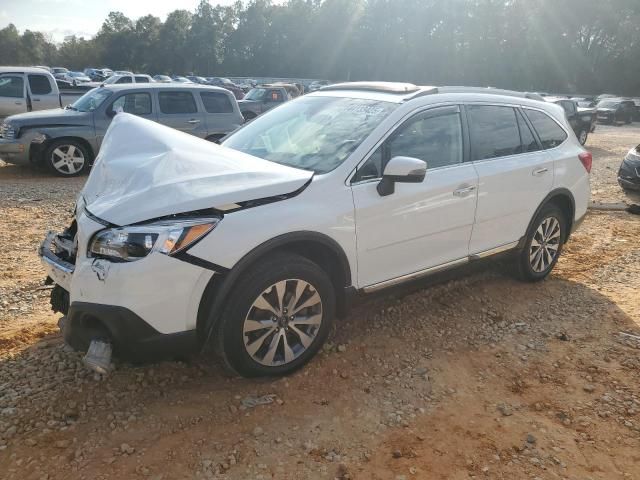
point(11, 86)
point(39, 84)
point(311, 133)
point(142, 79)
point(494, 131)
point(432, 137)
point(91, 100)
point(177, 102)
point(257, 94)
point(134, 103)
point(550, 133)
point(215, 102)
point(125, 80)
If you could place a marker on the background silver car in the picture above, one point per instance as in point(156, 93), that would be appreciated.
point(68, 140)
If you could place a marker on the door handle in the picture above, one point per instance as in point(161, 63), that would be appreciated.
point(539, 171)
point(18, 103)
point(36, 99)
point(193, 120)
point(464, 191)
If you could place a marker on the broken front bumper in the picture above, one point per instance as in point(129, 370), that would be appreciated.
point(59, 270)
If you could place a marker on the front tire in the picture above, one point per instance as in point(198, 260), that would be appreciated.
point(67, 158)
point(277, 317)
point(543, 245)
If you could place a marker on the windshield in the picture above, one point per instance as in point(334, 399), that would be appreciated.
point(608, 104)
point(255, 94)
point(91, 100)
point(312, 133)
point(76, 74)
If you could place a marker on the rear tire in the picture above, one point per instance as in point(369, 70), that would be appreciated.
point(583, 136)
point(543, 245)
point(67, 158)
point(265, 328)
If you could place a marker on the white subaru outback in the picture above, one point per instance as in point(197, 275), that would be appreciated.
point(254, 246)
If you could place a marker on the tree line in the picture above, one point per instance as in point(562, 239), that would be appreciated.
point(588, 46)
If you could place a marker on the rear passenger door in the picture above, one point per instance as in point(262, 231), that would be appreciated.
point(219, 113)
point(178, 109)
point(515, 175)
point(41, 91)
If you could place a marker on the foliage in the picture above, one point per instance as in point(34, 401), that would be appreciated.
point(585, 46)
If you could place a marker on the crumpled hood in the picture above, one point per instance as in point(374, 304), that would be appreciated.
point(145, 170)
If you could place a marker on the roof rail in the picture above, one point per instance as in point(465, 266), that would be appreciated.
point(491, 91)
point(383, 87)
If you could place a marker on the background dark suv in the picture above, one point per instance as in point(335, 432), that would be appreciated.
point(614, 110)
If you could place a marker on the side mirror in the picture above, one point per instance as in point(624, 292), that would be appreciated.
point(403, 170)
point(110, 112)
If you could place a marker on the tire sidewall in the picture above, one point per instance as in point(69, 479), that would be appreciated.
point(231, 336)
point(525, 263)
point(586, 136)
point(48, 160)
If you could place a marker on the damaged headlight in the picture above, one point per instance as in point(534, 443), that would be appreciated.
point(128, 244)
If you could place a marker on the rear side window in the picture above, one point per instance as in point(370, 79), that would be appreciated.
point(550, 133)
point(215, 102)
point(494, 131)
point(177, 102)
point(11, 86)
point(124, 80)
point(274, 96)
point(142, 80)
point(39, 84)
point(135, 103)
point(529, 143)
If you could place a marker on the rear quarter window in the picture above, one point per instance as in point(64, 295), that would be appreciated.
point(216, 102)
point(550, 133)
point(177, 102)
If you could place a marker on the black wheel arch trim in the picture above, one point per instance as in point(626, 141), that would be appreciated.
point(557, 192)
point(220, 285)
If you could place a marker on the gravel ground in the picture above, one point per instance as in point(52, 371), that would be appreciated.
point(477, 377)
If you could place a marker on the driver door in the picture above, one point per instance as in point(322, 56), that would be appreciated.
point(421, 225)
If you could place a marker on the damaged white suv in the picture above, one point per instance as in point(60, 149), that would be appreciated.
point(254, 246)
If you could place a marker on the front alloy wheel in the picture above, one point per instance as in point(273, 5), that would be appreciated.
point(67, 158)
point(282, 322)
point(277, 317)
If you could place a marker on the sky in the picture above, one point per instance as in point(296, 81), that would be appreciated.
point(59, 18)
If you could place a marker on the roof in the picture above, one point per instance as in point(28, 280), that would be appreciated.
point(23, 70)
point(169, 86)
point(402, 92)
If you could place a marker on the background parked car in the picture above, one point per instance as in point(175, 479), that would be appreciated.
point(137, 78)
point(59, 72)
point(23, 89)
point(615, 110)
point(162, 78)
point(629, 173)
point(582, 120)
point(180, 79)
point(228, 84)
point(259, 100)
point(122, 72)
point(317, 85)
point(67, 140)
point(199, 80)
point(76, 78)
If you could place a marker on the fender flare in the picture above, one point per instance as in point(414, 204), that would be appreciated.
point(557, 192)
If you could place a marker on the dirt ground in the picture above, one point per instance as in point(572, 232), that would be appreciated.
point(477, 377)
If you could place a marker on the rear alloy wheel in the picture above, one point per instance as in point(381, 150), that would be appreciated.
point(544, 244)
point(277, 317)
point(67, 158)
point(582, 137)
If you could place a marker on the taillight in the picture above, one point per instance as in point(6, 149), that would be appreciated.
point(587, 159)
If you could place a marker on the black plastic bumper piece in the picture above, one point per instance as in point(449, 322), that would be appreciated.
point(133, 339)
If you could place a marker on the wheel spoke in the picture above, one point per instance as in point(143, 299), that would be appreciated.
point(255, 345)
point(59, 163)
point(309, 302)
point(295, 298)
point(59, 153)
point(254, 325)
point(273, 348)
point(304, 338)
point(280, 289)
point(263, 304)
point(71, 151)
point(288, 353)
point(312, 320)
